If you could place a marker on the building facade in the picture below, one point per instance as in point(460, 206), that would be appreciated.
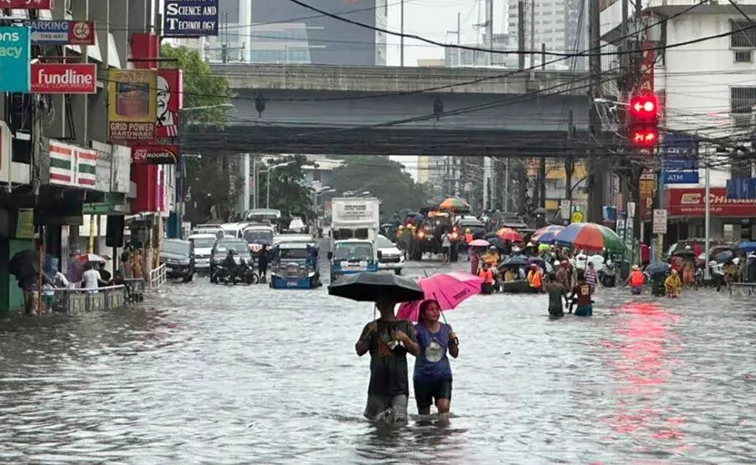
point(706, 89)
point(274, 31)
point(57, 170)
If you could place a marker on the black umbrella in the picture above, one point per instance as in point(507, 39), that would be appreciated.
point(367, 287)
point(517, 260)
point(658, 267)
point(17, 261)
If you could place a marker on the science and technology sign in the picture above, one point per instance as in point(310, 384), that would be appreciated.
point(15, 59)
point(190, 18)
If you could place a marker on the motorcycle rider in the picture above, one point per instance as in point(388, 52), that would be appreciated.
point(230, 262)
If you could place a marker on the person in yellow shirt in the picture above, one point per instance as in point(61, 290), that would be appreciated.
point(510, 275)
point(673, 284)
point(492, 256)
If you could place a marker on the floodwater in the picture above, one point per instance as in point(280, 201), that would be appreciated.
point(206, 374)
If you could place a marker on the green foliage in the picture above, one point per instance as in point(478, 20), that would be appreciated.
point(287, 191)
point(202, 88)
point(384, 179)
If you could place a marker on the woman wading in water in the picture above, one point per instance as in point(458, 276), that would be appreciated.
point(433, 376)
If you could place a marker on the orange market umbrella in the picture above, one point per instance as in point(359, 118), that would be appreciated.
point(454, 204)
point(508, 234)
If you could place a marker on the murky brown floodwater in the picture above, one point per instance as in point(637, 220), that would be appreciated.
point(219, 375)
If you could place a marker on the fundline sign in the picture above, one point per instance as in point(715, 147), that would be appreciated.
point(64, 78)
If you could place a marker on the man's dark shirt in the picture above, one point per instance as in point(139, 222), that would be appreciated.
point(388, 368)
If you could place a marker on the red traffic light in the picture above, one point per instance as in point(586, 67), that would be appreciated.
point(645, 138)
point(644, 108)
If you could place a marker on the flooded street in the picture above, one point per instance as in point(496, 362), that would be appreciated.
point(238, 375)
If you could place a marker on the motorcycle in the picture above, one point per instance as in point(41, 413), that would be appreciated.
point(222, 274)
point(247, 274)
point(608, 276)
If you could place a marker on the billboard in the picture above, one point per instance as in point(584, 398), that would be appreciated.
point(61, 32)
point(28, 4)
point(155, 155)
point(132, 103)
point(190, 18)
point(64, 78)
point(170, 93)
point(691, 202)
point(15, 56)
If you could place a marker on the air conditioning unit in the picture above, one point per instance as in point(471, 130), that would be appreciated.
point(743, 56)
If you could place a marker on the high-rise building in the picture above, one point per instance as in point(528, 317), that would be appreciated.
point(562, 25)
point(277, 31)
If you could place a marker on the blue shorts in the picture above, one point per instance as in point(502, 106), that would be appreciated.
point(584, 310)
point(637, 290)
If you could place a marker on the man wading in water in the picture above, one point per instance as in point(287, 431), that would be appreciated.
point(388, 339)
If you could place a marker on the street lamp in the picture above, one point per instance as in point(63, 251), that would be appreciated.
point(271, 168)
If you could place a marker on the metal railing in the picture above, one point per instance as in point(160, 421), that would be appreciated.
point(742, 289)
point(158, 276)
point(88, 300)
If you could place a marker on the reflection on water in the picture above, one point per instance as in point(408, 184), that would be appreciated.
point(239, 375)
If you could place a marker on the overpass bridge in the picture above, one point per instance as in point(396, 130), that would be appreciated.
point(398, 111)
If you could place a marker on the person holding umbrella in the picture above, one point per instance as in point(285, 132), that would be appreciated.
point(388, 339)
point(433, 375)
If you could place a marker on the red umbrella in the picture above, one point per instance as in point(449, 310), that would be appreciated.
point(509, 234)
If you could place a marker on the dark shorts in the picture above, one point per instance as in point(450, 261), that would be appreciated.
point(428, 391)
point(584, 310)
point(637, 290)
point(390, 409)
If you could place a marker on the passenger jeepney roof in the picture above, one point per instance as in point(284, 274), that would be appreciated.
point(292, 245)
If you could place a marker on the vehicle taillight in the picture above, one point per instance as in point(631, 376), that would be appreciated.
point(421, 234)
point(455, 235)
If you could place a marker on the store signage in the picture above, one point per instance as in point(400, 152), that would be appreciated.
point(155, 155)
point(61, 32)
point(64, 78)
point(170, 95)
point(692, 202)
point(132, 102)
point(15, 56)
point(190, 18)
point(660, 222)
point(28, 4)
point(681, 163)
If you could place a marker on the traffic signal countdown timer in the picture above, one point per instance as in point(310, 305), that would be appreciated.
point(643, 121)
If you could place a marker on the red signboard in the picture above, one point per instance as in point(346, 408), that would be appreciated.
point(692, 202)
point(155, 155)
point(64, 78)
point(81, 33)
point(28, 4)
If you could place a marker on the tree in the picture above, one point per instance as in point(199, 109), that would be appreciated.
point(212, 187)
point(383, 178)
point(287, 190)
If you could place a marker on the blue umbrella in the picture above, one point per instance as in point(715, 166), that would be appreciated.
point(747, 247)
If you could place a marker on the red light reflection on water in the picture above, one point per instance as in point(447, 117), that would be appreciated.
point(641, 367)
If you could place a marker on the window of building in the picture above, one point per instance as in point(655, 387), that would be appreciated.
point(742, 100)
point(743, 34)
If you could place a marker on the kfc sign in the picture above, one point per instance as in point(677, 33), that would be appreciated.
point(692, 203)
point(64, 78)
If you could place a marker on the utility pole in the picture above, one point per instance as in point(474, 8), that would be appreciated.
point(489, 29)
point(569, 162)
point(532, 30)
point(401, 28)
point(521, 34)
point(458, 33)
point(596, 176)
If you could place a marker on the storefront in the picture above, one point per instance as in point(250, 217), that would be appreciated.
point(730, 219)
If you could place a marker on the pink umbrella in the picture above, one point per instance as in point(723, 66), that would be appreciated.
point(479, 243)
point(448, 289)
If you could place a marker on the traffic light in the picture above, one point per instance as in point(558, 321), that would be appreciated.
point(643, 121)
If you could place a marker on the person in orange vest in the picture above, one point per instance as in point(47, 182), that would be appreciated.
point(534, 277)
point(488, 279)
point(468, 238)
point(636, 280)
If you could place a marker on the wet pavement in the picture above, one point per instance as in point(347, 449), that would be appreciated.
point(206, 374)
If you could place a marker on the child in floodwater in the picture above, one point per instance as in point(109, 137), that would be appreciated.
point(583, 296)
point(433, 375)
point(636, 280)
point(673, 284)
point(388, 339)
